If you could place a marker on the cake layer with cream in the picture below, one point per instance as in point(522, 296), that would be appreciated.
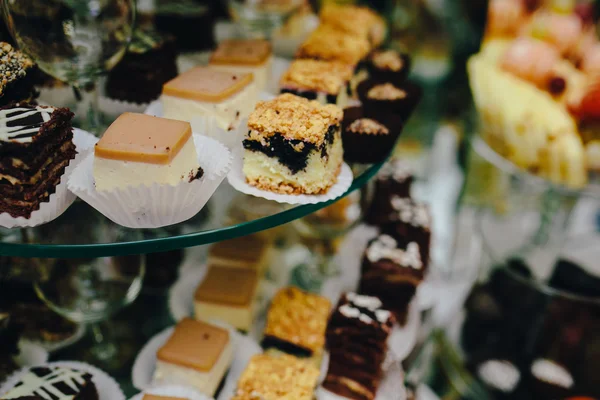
point(197, 355)
point(293, 146)
point(205, 91)
point(243, 56)
point(140, 149)
point(228, 295)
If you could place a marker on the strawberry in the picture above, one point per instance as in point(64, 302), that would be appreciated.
point(589, 108)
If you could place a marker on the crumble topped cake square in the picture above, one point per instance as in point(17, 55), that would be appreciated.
point(277, 377)
point(325, 81)
point(329, 44)
point(293, 146)
point(355, 20)
point(244, 56)
point(296, 322)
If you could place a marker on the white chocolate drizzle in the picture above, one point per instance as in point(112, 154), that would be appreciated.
point(410, 212)
point(49, 386)
point(386, 247)
point(365, 308)
point(20, 125)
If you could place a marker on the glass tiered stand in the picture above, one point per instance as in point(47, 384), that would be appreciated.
point(528, 325)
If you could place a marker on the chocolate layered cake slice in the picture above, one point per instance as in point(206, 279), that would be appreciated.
point(45, 383)
point(410, 221)
point(36, 145)
point(357, 336)
point(17, 77)
point(149, 63)
point(293, 146)
point(296, 323)
point(394, 179)
point(324, 81)
point(392, 272)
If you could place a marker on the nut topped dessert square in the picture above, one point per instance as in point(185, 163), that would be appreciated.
point(244, 56)
point(355, 20)
point(325, 81)
point(197, 354)
point(293, 146)
point(17, 80)
point(277, 377)
point(139, 149)
point(296, 322)
point(206, 91)
point(247, 252)
point(229, 295)
point(329, 44)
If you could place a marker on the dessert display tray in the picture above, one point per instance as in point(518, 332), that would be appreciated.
point(83, 232)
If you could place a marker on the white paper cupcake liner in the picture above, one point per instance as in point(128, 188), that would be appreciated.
point(207, 125)
point(157, 205)
point(62, 198)
point(58, 97)
point(172, 391)
point(30, 354)
point(237, 179)
point(115, 107)
point(145, 363)
point(107, 387)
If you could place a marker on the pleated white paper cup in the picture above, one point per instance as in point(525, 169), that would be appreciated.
point(157, 205)
point(173, 391)
point(237, 179)
point(107, 387)
point(115, 107)
point(62, 198)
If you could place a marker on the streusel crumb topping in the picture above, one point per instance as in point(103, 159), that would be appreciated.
point(328, 43)
point(386, 91)
point(316, 75)
point(368, 126)
point(388, 59)
point(293, 117)
point(355, 20)
point(13, 65)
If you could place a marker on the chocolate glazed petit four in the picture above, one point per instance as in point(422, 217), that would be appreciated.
point(367, 140)
point(357, 336)
point(36, 145)
point(381, 99)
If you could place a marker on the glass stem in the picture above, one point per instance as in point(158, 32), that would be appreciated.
point(104, 348)
point(87, 113)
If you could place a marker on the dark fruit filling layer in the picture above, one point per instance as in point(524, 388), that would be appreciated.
point(293, 154)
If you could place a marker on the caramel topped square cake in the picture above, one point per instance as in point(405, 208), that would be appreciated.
point(229, 295)
point(197, 354)
point(329, 44)
point(249, 252)
point(245, 56)
point(277, 377)
point(296, 322)
point(140, 149)
point(325, 81)
point(241, 52)
point(293, 146)
point(355, 20)
point(206, 91)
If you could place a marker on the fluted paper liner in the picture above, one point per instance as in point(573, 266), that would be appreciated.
point(116, 107)
point(107, 387)
point(237, 179)
point(62, 198)
point(143, 368)
point(173, 391)
point(160, 204)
